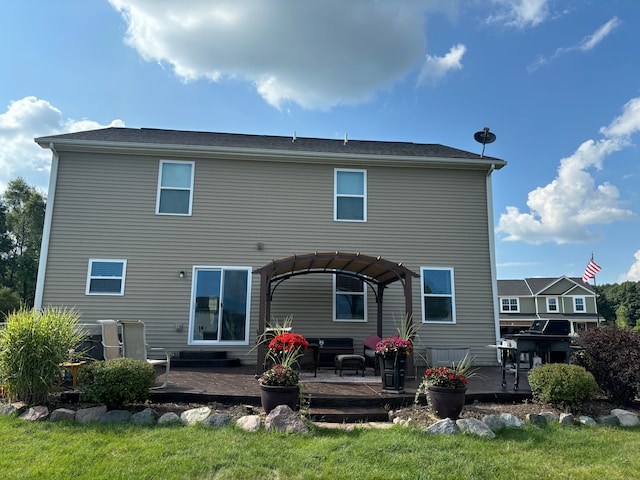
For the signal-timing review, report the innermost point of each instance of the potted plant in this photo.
(446, 387)
(393, 353)
(279, 383)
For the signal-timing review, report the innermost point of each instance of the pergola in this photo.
(376, 272)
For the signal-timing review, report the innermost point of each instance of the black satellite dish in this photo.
(484, 137)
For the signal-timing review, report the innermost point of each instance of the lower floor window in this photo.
(106, 277)
(220, 305)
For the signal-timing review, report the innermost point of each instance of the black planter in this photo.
(446, 402)
(271, 396)
(393, 368)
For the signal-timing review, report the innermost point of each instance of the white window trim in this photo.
(452, 296)
(517, 310)
(584, 304)
(194, 270)
(335, 295)
(160, 188)
(549, 310)
(335, 195)
(106, 260)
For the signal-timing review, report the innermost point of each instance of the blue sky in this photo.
(558, 82)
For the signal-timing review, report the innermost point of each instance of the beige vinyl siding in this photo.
(423, 217)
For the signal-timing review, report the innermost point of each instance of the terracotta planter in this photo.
(271, 396)
(446, 402)
(393, 372)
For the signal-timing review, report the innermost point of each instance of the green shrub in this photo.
(612, 355)
(562, 385)
(117, 382)
(9, 302)
(33, 344)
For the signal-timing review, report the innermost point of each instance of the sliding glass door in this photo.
(220, 305)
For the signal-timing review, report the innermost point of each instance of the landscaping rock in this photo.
(585, 420)
(92, 414)
(626, 418)
(511, 421)
(536, 419)
(116, 416)
(249, 423)
(61, 414)
(473, 426)
(443, 427)
(195, 415)
(493, 422)
(550, 417)
(8, 409)
(169, 417)
(609, 420)
(148, 416)
(566, 419)
(218, 420)
(36, 414)
(283, 419)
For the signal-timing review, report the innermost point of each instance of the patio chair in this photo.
(134, 345)
(111, 346)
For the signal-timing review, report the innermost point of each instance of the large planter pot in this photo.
(393, 371)
(446, 402)
(271, 396)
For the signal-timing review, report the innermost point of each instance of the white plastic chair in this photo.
(111, 346)
(134, 345)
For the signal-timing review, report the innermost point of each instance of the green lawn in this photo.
(51, 451)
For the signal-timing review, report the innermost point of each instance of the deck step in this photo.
(201, 354)
(348, 415)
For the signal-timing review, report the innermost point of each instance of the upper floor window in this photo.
(438, 295)
(509, 305)
(552, 304)
(350, 199)
(579, 305)
(350, 298)
(175, 188)
(106, 277)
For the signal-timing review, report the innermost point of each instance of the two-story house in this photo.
(195, 233)
(523, 301)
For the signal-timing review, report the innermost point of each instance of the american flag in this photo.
(590, 271)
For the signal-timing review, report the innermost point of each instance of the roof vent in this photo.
(346, 138)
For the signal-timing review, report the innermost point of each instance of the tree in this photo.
(613, 296)
(24, 209)
(622, 316)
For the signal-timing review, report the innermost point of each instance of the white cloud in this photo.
(586, 44)
(23, 121)
(564, 210)
(436, 68)
(520, 13)
(633, 275)
(316, 54)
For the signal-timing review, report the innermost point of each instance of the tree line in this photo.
(22, 210)
(619, 303)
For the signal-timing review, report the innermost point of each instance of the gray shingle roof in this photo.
(264, 142)
(531, 286)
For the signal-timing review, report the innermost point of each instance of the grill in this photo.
(542, 337)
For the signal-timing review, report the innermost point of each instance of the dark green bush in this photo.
(612, 355)
(117, 382)
(9, 302)
(33, 344)
(562, 385)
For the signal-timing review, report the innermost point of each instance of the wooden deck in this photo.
(326, 393)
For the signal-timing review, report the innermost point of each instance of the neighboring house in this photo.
(179, 229)
(523, 301)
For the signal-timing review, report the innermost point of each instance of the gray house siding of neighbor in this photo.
(168, 227)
